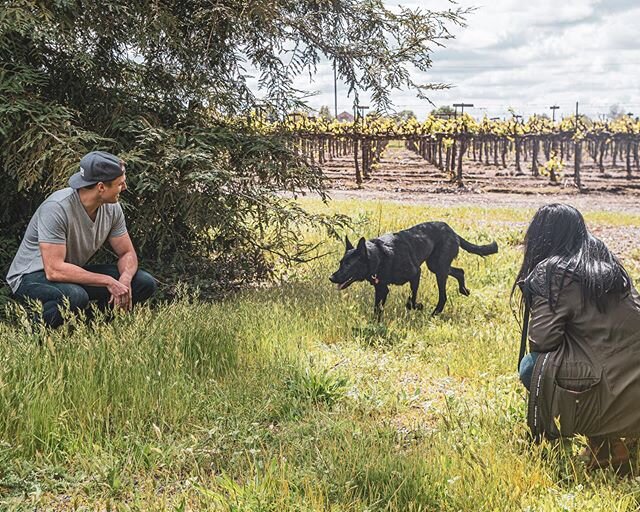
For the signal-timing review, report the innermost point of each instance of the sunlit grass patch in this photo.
(293, 397)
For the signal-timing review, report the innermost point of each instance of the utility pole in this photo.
(335, 90)
(461, 105)
(554, 108)
(577, 154)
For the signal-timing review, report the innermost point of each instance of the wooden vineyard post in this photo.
(534, 157)
(452, 161)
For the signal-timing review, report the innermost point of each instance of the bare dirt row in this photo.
(404, 176)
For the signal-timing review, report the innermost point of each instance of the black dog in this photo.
(395, 258)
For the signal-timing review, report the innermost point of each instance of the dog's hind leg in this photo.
(411, 301)
(458, 273)
(382, 290)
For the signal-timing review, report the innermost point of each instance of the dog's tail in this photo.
(480, 250)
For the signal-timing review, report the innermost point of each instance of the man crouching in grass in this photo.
(66, 231)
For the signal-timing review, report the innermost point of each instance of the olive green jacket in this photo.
(587, 378)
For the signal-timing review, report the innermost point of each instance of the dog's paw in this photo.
(465, 291)
(419, 306)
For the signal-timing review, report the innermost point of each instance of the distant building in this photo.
(345, 117)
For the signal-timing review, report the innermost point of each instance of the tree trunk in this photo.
(602, 146)
(355, 160)
(553, 178)
(447, 163)
(518, 143)
(459, 172)
(534, 157)
(454, 149)
(576, 166)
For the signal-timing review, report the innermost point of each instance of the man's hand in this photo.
(120, 294)
(126, 280)
(127, 265)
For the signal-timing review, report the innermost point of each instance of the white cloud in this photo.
(526, 56)
(550, 52)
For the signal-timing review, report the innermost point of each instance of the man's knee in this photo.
(55, 293)
(76, 295)
(143, 285)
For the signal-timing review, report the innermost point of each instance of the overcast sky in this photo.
(525, 56)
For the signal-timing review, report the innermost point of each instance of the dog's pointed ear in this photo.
(362, 247)
(348, 243)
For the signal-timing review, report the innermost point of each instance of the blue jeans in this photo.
(526, 368)
(52, 294)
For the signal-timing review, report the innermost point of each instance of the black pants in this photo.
(52, 294)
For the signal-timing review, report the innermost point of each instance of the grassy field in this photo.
(289, 397)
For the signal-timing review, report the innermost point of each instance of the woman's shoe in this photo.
(604, 453)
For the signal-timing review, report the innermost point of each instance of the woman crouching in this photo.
(583, 369)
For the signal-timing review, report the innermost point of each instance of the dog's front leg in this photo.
(382, 290)
(441, 279)
(414, 283)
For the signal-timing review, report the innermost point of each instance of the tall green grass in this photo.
(289, 397)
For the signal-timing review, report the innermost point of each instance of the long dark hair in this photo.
(558, 234)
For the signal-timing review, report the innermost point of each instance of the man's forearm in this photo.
(70, 273)
(128, 265)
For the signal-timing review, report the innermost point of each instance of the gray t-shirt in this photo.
(61, 219)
